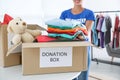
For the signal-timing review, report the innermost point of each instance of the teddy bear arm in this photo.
(16, 39)
(34, 33)
(27, 37)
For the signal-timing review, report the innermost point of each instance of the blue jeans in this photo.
(84, 74)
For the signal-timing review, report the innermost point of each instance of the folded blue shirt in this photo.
(62, 24)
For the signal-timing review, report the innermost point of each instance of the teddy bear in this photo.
(21, 33)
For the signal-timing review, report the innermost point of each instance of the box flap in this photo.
(35, 26)
(13, 48)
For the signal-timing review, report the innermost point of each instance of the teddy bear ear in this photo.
(9, 29)
(18, 19)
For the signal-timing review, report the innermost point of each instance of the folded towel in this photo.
(67, 31)
(71, 37)
(62, 24)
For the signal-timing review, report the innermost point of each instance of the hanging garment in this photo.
(115, 40)
(101, 31)
(94, 32)
(119, 32)
(98, 29)
(100, 34)
(106, 31)
(100, 22)
(108, 26)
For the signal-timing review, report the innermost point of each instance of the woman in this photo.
(86, 17)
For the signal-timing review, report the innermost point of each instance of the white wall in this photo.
(104, 5)
(37, 11)
(29, 10)
(100, 5)
(53, 8)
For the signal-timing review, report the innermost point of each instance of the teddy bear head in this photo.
(17, 26)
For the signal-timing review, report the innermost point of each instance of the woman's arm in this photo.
(89, 24)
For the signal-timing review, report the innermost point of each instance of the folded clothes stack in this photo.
(61, 30)
(66, 29)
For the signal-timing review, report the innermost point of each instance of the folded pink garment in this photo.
(44, 38)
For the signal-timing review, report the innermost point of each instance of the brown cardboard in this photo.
(30, 57)
(35, 26)
(12, 59)
(9, 51)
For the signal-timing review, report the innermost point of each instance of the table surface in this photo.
(15, 73)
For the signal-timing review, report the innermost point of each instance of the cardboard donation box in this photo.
(5, 44)
(53, 57)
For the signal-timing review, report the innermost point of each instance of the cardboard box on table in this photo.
(33, 52)
(5, 43)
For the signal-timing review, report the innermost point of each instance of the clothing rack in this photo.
(95, 59)
(107, 11)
